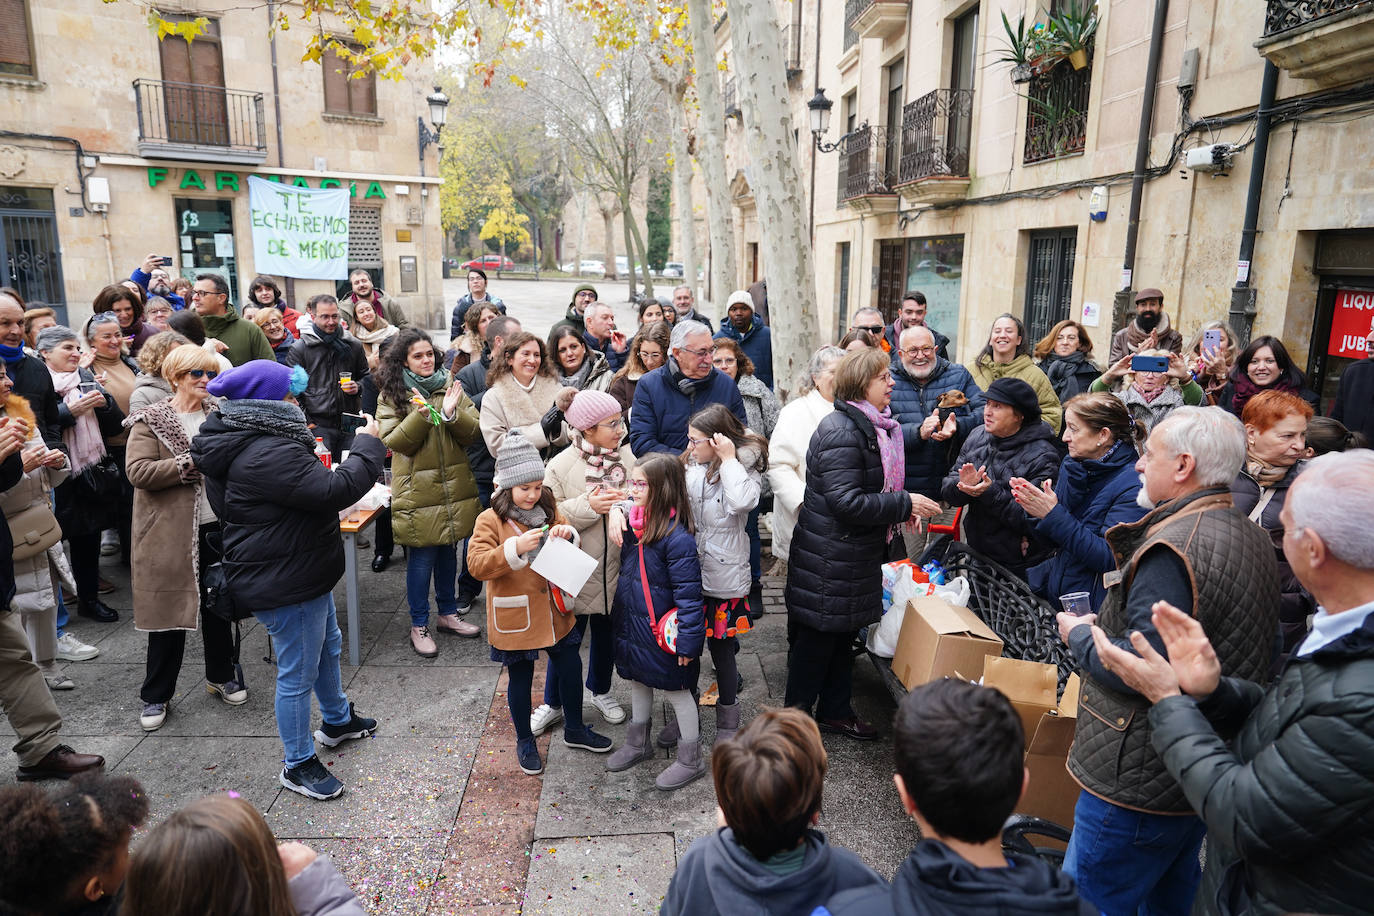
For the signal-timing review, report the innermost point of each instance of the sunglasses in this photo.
(872, 329)
(202, 373)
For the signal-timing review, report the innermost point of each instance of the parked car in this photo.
(489, 262)
(673, 269)
(622, 266)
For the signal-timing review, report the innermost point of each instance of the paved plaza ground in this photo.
(437, 817)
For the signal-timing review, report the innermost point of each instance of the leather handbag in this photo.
(665, 628)
(101, 479)
(34, 530)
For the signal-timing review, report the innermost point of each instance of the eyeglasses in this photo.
(614, 425)
(197, 293)
(699, 354)
(693, 441)
(202, 373)
(917, 351)
(870, 328)
(650, 357)
(638, 484)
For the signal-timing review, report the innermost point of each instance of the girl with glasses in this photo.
(648, 351)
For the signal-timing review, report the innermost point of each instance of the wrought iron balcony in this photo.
(1057, 116)
(200, 122)
(1330, 41)
(852, 9)
(730, 99)
(936, 129)
(791, 48)
(871, 168)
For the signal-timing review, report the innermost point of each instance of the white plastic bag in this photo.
(882, 637)
(955, 591)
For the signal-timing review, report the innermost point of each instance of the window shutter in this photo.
(15, 54)
(362, 95)
(335, 81)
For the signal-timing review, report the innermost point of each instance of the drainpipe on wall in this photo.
(1243, 299)
(1123, 303)
(276, 108)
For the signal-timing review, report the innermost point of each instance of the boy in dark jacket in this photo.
(960, 773)
(769, 858)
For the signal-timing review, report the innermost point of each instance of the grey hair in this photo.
(683, 286)
(1334, 496)
(869, 308)
(685, 329)
(1213, 436)
(50, 338)
(901, 338)
(159, 302)
(819, 360)
(596, 307)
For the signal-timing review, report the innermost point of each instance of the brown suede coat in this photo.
(520, 612)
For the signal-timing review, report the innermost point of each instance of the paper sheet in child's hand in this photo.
(564, 565)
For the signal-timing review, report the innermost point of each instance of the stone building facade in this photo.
(132, 146)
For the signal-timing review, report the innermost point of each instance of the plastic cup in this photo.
(1076, 603)
(345, 378)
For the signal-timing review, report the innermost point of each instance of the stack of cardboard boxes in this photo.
(942, 640)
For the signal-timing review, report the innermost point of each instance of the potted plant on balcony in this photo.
(1017, 49)
(1074, 27)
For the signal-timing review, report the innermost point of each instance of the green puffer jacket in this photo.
(433, 493)
(245, 340)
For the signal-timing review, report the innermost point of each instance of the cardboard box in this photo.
(938, 640)
(1031, 687)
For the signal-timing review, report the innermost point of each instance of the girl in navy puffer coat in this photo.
(659, 572)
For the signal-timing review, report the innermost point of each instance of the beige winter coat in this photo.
(35, 578)
(166, 550)
(566, 476)
(507, 406)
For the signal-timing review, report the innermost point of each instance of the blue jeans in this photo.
(62, 616)
(1130, 862)
(600, 658)
(437, 563)
(307, 639)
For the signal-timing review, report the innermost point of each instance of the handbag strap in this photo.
(644, 584)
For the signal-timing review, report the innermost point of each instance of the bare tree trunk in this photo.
(627, 219)
(608, 211)
(640, 256)
(581, 237)
(777, 186)
(711, 154)
(682, 197)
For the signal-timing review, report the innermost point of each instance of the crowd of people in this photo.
(1179, 488)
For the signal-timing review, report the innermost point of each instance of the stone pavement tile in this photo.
(600, 874)
(391, 875)
(175, 771)
(858, 784)
(486, 862)
(378, 593)
(393, 646)
(396, 787)
(882, 844)
(425, 701)
(113, 748)
(774, 665)
(106, 701)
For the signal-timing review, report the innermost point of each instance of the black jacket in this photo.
(473, 379)
(719, 876)
(279, 507)
(1354, 404)
(32, 379)
(834, 579)
(1070, 375)
(11, 472)
(995, 525)
(928, 460)
(935, 881)
(1283, 782)
(323, 401)
(1296, 603)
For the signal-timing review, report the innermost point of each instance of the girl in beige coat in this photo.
(587, 481)
(175, 537)
(525, 614)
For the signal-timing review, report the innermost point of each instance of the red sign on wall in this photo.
(1351, 320)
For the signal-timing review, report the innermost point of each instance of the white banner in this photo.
(299, 232)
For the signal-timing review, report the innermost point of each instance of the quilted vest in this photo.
(1235, 585)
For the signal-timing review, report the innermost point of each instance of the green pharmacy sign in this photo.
(191, 180)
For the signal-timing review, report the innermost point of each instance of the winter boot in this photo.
(668, 735)
(635, 749)
(727, 721)
(687, 767)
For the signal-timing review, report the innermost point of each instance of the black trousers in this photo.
(167, 648)
(820, 667)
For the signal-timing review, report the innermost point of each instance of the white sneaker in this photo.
(71, 649)
(154, 714)
(109, 544)
(609, 708)
(544, 718)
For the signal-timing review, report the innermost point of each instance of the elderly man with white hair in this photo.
(1281, 777)
(1135, 841)
(669, 396)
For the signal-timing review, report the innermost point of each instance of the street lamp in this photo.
(818, 109)
(438, 113)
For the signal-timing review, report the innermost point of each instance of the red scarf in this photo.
(1245, 389)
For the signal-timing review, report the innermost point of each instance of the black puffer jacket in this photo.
(994, 524)
(323, 401)
(1288, 806)
(1296, 603)
(834, 579)
(279, 507)
(473, 379)
(1070, 375)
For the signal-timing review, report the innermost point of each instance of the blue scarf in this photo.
(11, 355)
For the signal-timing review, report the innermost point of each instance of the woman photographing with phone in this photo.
(1151, 383)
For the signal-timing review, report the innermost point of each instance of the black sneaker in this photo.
(312, 780)
(355, 727)
(587, 740)
(527, 752)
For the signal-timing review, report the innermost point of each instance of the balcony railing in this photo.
(935, 135)
(1282, 15)
(868, 154)
(1057, 116)
(191, 120)
(852, 9)
(791, 48)
(730, 98)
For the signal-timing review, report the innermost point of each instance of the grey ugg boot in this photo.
(635, 749)
(687, 767)
(727, 721)
(668, 735)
